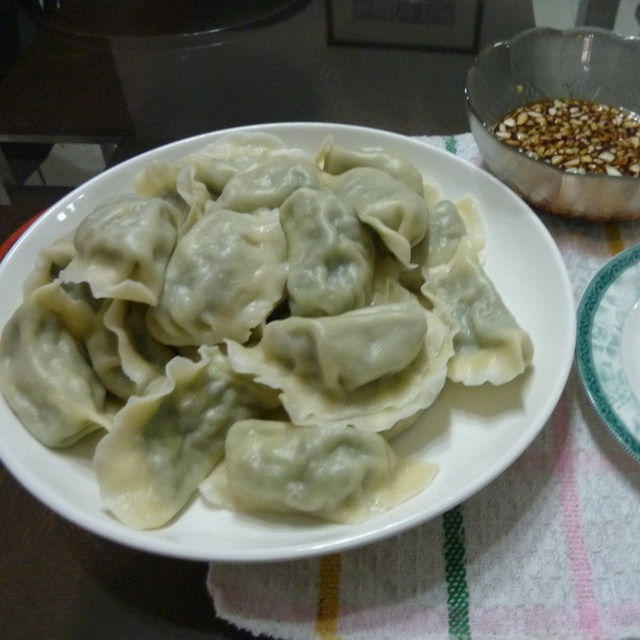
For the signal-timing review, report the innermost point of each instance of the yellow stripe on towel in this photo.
(614, 238)
(328, 598)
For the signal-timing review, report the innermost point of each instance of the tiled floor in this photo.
(65, 167)
(69, 165)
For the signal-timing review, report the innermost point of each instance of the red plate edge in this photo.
(11, 240)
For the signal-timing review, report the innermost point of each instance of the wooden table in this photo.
(62, 583)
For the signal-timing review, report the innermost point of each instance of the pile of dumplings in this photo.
(254, 324)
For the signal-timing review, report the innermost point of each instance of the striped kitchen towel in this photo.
(548, 550)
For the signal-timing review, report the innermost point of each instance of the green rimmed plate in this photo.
(608, 346)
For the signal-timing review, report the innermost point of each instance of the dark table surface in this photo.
(73, 83)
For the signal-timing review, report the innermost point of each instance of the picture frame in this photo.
(452, 25)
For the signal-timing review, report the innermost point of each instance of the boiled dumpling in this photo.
(450, 225)
(51, 261)
(44, 373)
(396, 212)
(224, 278)
(338, 159)
(214, 165)
(335, 473)
(268, 186)
(490, 346)
(236, 152)
(124, 356)
(123, 248)
(370, 368)
(195, 194)
(341, 353)
(330, 253)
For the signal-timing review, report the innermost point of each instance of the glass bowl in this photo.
(543, 63)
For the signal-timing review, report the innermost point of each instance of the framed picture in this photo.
(453, 25)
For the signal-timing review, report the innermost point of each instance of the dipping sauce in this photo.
(576, 135)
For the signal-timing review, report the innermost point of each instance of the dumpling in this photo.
(451, 225)
(44, 374)
(330, 253)
(123, 248)
(490, 346)
(124, 356)
(226, 275)
(269, 185)
(51, 261)
(369, 368)
(396, 212)
(214, 165)
(165, 442)
(157, 180)
(335, 473)
(342, 353)
(218, 162)
(195, 194)
(182, 187)
(447, 230)
(338, 159)
(242, 172)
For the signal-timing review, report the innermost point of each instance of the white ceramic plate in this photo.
(472, 434)
(608, 346)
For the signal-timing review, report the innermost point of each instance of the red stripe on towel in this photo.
(588, 614)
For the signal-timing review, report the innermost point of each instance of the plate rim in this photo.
(386, 528)
(591, 300)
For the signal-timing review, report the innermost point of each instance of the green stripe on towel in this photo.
(451, 144)
(456, 575)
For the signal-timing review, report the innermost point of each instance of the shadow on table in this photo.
(149, 591)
